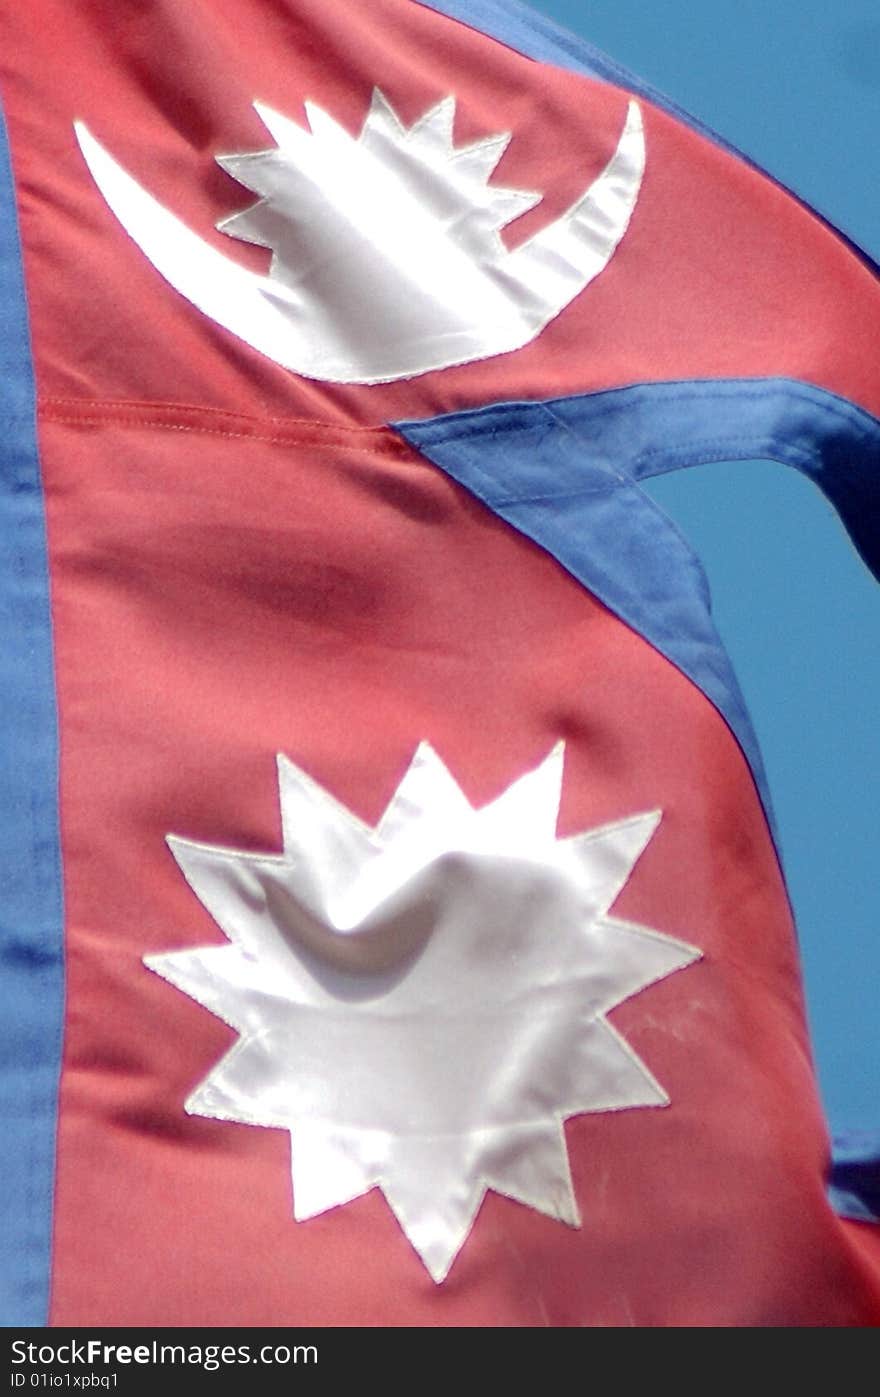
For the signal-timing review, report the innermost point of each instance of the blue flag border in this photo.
(31, 914)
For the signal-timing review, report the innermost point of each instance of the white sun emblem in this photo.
(387, 259)
(423, 1004)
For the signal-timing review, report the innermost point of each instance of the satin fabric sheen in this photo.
(244, 562)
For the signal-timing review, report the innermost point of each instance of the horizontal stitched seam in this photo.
(123, 405)
(328, 435)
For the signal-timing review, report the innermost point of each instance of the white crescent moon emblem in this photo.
(382, 289)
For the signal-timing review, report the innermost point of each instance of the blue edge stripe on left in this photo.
(524, 459)
(31, 915)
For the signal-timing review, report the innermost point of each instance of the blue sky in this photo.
(797, 87)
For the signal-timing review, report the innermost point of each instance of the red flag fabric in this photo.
(408, 944)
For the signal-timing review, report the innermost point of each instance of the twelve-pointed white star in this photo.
(422, 1005)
